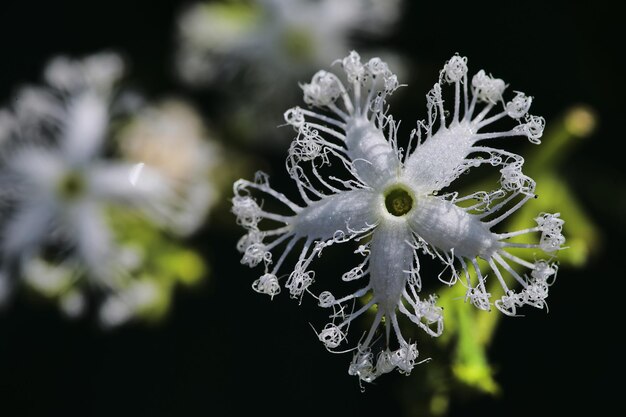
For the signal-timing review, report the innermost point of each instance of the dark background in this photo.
(225, 349)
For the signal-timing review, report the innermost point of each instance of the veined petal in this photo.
(373, 158)
(440, 159)
(446, 226)
(391, 257)
(346, 211)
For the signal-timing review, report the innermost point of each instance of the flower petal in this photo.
(440, 159)
(27, 229)
(446, 226)
(391, 257)
(85, 128)
(344, 212)
(39, 167)
(94, 243)
(373, 158)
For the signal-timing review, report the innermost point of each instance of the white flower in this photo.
(217, 39)
(259, 49)
(172, 139)
(60, 183)
(390, 199)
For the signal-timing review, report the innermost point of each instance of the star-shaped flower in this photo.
(59, 183)
(397, 203)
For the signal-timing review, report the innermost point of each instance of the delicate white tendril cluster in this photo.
(532, 128)
(308, 146)
(519, 106)
(247, 211)
(386, 198)
(551, 227)
(299, 280)
(455, 69)
(267, 284)
(322, 90)
(513, 179)
(534, 293)
(488, 88)
(354, 69)
(331, 336)
(479, 297)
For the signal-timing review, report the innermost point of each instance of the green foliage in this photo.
(164, 261)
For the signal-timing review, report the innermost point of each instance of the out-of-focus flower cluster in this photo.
(260, 48)
(97, 190)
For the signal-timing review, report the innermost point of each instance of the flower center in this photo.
(398, 201)
(71, 185)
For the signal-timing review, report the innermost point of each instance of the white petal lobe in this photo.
(86, 127)
(390, 257)
(94, 243)
(440, 159)
(346, 211)
(446, 226)
(372, 155)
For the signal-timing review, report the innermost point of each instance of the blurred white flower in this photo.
(263, 41)
(216, 39)
(60, 180)
(390, 199)
(172, 139)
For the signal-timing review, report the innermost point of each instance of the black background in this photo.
(224, 349)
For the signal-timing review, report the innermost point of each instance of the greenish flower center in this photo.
(398, 201)
(71, 185)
